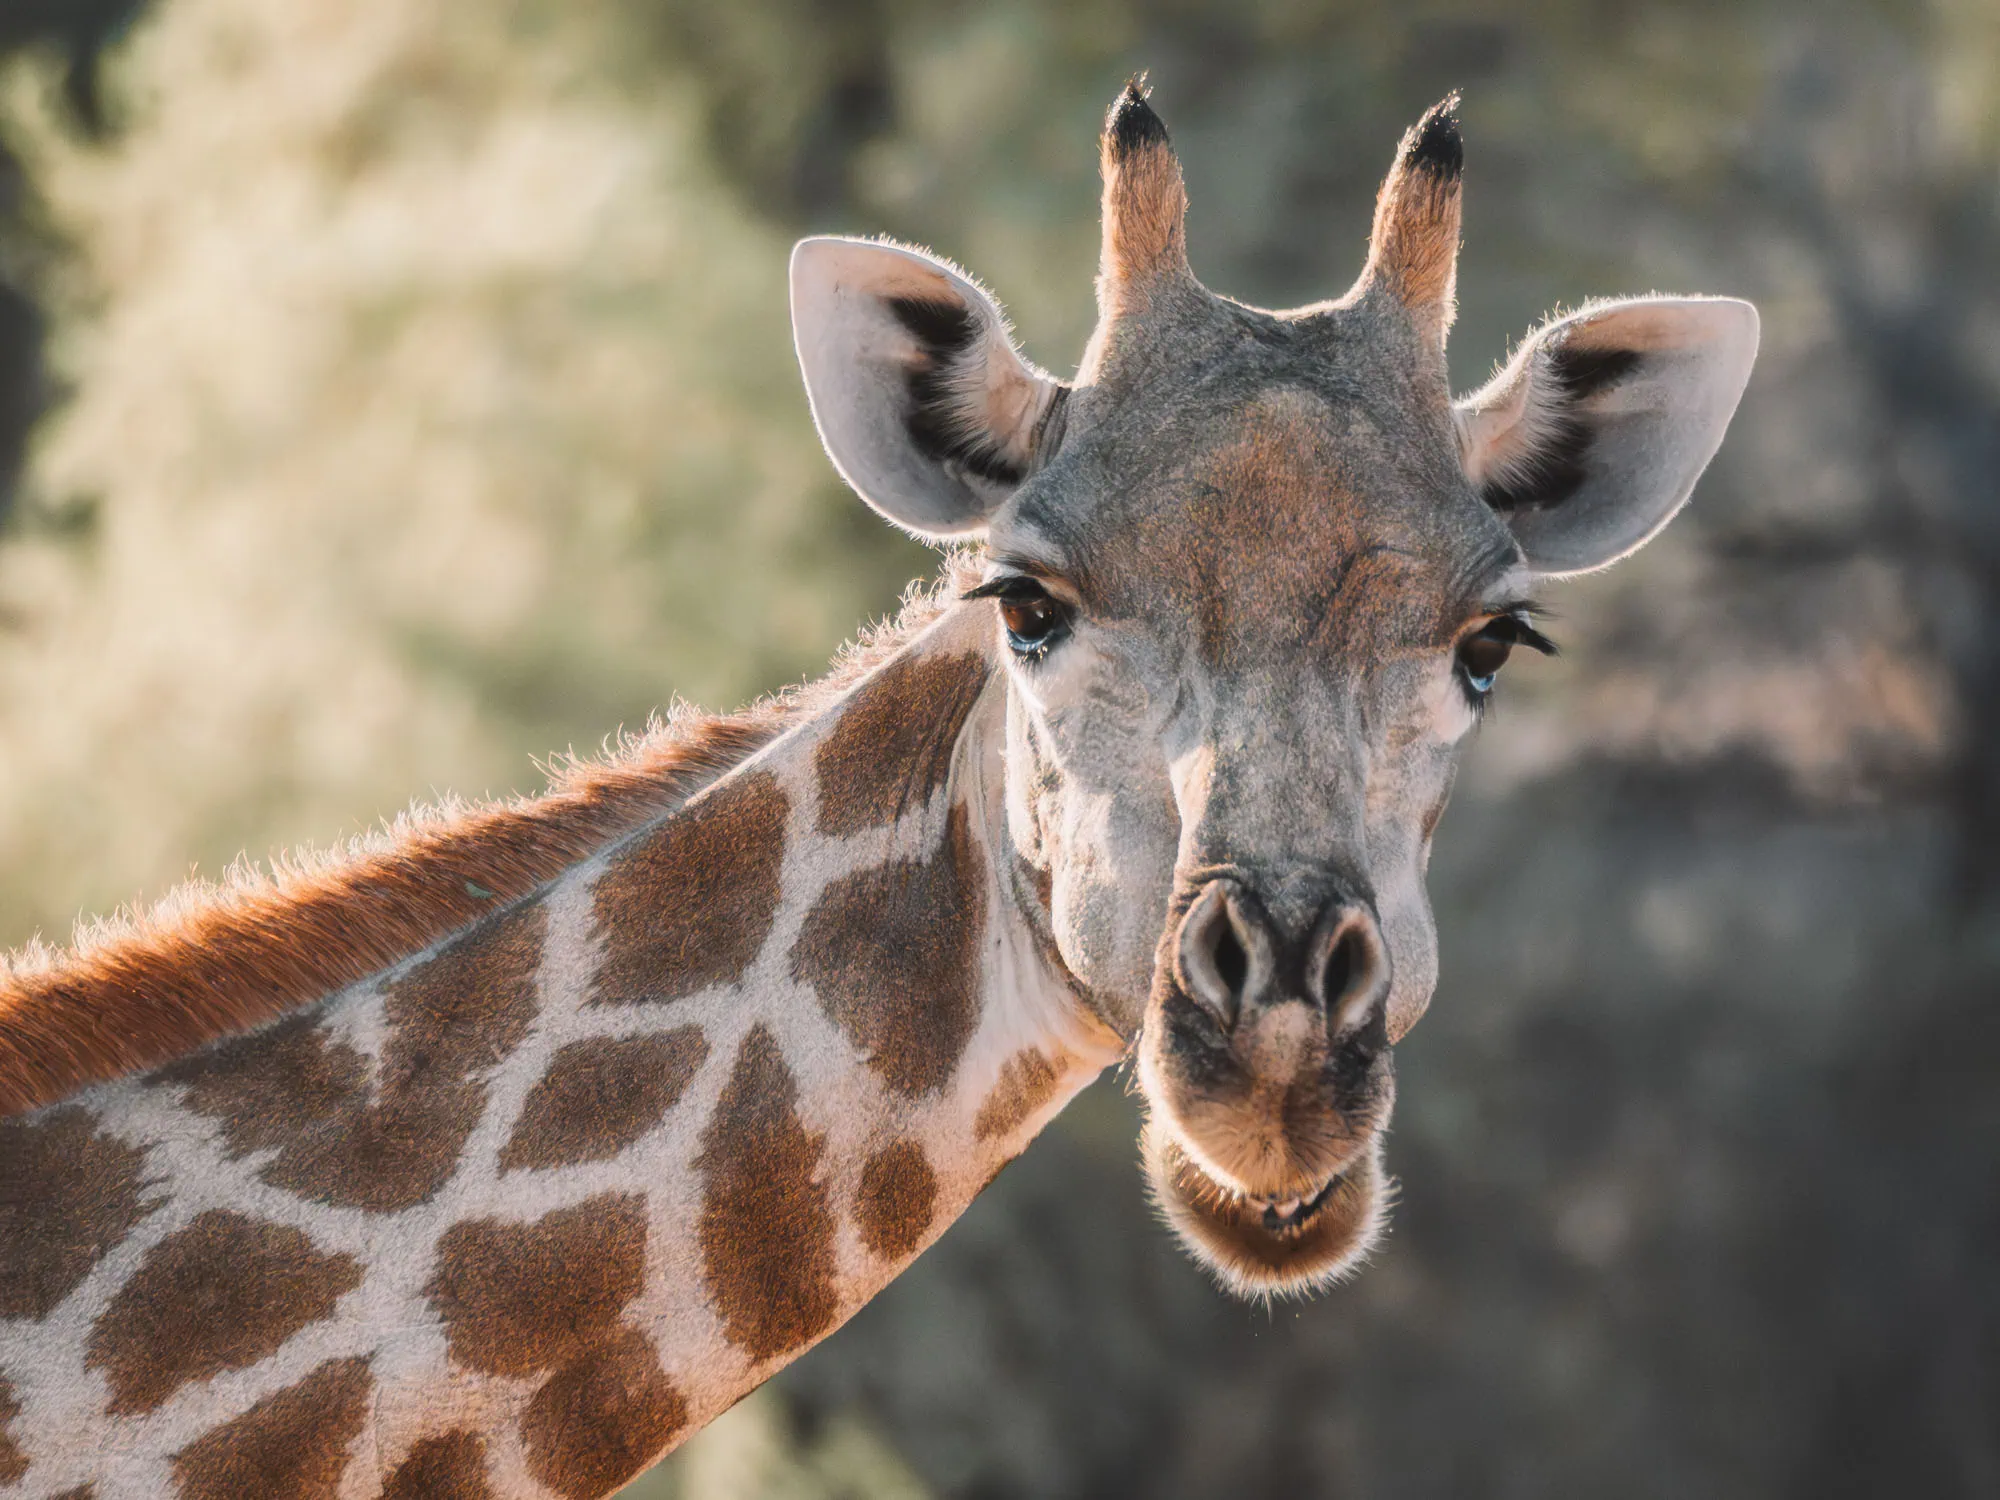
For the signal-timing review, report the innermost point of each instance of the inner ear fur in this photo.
(1592, 436)
(923, 402)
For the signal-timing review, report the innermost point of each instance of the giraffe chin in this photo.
(1262, 1247)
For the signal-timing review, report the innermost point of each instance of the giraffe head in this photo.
(1252, 576)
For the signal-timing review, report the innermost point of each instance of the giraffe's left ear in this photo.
(922, 400)
(1595, 432)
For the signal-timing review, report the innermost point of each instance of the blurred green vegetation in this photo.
(415, 397)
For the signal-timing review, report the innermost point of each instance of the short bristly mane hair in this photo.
(214, 959)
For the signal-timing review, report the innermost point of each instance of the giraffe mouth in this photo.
(1290, 1215)
(1286, 1244)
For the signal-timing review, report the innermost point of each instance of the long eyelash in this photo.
(1516, 614)
(1000, 587)
(1525, 634)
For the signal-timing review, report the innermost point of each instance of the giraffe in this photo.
(495, 1157)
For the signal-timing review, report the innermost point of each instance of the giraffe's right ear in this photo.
(922, 400)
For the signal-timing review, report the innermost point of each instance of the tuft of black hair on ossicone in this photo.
(1435, 145)
(1132, 125)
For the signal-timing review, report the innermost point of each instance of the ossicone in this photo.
(1413, 247)
(1145, 207)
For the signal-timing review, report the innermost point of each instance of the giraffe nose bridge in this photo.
(1234, 958)
(1285, 799)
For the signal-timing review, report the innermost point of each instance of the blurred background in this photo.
(392, 393)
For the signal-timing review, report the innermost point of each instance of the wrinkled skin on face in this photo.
(1252, 575)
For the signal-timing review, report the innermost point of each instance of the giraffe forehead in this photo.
(1292, 511)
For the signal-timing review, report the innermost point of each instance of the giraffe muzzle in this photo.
(1266, 1067)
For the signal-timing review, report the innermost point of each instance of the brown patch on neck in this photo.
(892, 745)
(68, 1196)
(1027, 1081)
(600, 1095)
(214, 961)
(893, 954)
(294, 1089)
(766, 1230)
(897, 1200)
(689, 904)
(13, 1462)
(602, 1418)
(516, 1299)
(294, 1443)
(220, 1294)
(451, 1466)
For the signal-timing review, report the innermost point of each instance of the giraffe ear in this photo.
(922, 400)
(1592, 436)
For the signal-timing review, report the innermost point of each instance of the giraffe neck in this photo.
(529, 1209)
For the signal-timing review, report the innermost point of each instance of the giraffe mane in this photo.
(212, 959)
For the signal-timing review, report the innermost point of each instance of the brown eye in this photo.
(1035, 619)
(1482, 656)
(1031, 619)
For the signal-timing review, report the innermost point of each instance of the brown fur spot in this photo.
(67, 1197)
(601, 1418)
(601, 1095)
(892, 746)
(451, 1466)
(295, 1090)
(518, 1298)
(212, 961)
(79, 1492)
(893, 955)
(898, 1196)
(766, 1231)
(220, 1294)
(1027, 1081)
(293, 1443)
(689, 904)
(13, 1462)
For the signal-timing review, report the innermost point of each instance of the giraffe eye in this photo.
(1035, 618)
(1482, 654)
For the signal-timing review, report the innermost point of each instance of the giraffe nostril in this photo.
(1340, 966)
(1215, 960)
(1353, 968)
(1232, 964)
